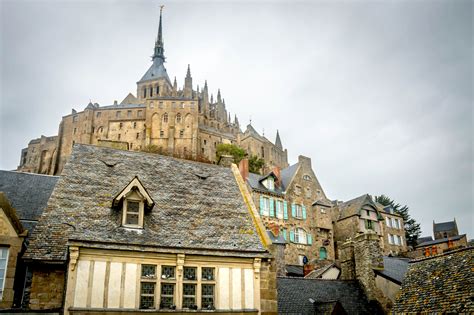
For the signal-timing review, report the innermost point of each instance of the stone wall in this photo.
(14, 243)
(47, 287)
(269, 271)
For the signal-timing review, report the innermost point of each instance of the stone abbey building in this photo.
(183, 122)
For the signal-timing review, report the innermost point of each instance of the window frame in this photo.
(3, 256)
(300, 236)
(266, 209)
(298, 211)
(141, 209)
(279, 209)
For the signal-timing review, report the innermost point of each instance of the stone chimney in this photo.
(244, 169)
(359, 258)
(225, 160)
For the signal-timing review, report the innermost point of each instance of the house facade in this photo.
(293, 202)
(135, 231)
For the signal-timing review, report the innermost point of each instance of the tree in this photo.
(256, 164)
(412, 228)
(230, 149)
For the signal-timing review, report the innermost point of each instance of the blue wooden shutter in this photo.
(304, 212)
(272, 208)
(293, 210)
(309, 239)
(262, 205)
(292, 236)
(285, 210)
(284, 234)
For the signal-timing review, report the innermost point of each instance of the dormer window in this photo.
(269, 183)
(134, 200)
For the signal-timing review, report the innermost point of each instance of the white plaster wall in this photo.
(248, 283)
(115, 282)
(236, 288)
(130, 286)
(98, 283)
(223, 288)
(332, 273)
(82, 283)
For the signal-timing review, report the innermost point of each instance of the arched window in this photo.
(144, 92)
(178, 118)
(165, 117)
(323, 255)
(157, 89)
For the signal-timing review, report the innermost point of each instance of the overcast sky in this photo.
(378, 94)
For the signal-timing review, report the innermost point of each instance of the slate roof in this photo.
(395, 268)
(294, 295)
(27, 193)
(156, 71)
(317, 273)
(444, 226)
(294, 270)
(439, 284)
(286, 175)
(10, 213)
(353, 206)
(423, 239)
(441, 240)
(198, 206)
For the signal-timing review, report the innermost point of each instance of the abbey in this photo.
(185, 122)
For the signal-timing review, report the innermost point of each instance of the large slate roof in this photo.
(294, 296)
(444, 226)
(423, 239)
(27, 193)
(439, 284)
(197, 206)
(395, 268)
(286, 175)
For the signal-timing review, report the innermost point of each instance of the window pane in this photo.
(148, 288)
(207, 300)
(207, 273)
(147, 302)
(148, 271)
(133, 206)
(167, 293)
(189, 289)
(190, 273)
(167, 272)
(132, 219)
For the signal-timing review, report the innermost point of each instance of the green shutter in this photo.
(272, 208)
(285, 210)
(309, 239)
(284, 234)
(293, 210)
(292, 236)
(304, 212)
(262, 205)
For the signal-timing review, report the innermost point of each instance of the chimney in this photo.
(244, 169)
(226, 160)
(277, 172)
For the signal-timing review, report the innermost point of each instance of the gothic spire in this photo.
(278, 141)
(159, 45)
(219, 100)
(188, 73)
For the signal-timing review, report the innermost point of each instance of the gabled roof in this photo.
(323, 202)
(129, 99)
(444, 226)
(353, 207)
(198, 207)
(439, 284)
(395, 268)
(134, 184)
(255, 182)
(28, 193)
(294, 295)
(287, 174)
(318, 273)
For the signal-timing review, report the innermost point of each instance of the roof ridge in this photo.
(32, 174)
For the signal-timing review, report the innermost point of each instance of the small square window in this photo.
(118, 114)
(207, 274)
(140, 113)
(98, 114)
(133, 208)
(168, 272)
(181, 133)
(162, 133)
(129, 113)
(190, 273)
(149, 271)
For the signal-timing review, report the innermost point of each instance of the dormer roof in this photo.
(134, 185)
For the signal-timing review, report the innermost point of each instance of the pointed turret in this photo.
(205, 99)
(278, 141)
(175, 87)
(188, 84)
(236, 120)
(219, 99)
(212, 98)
